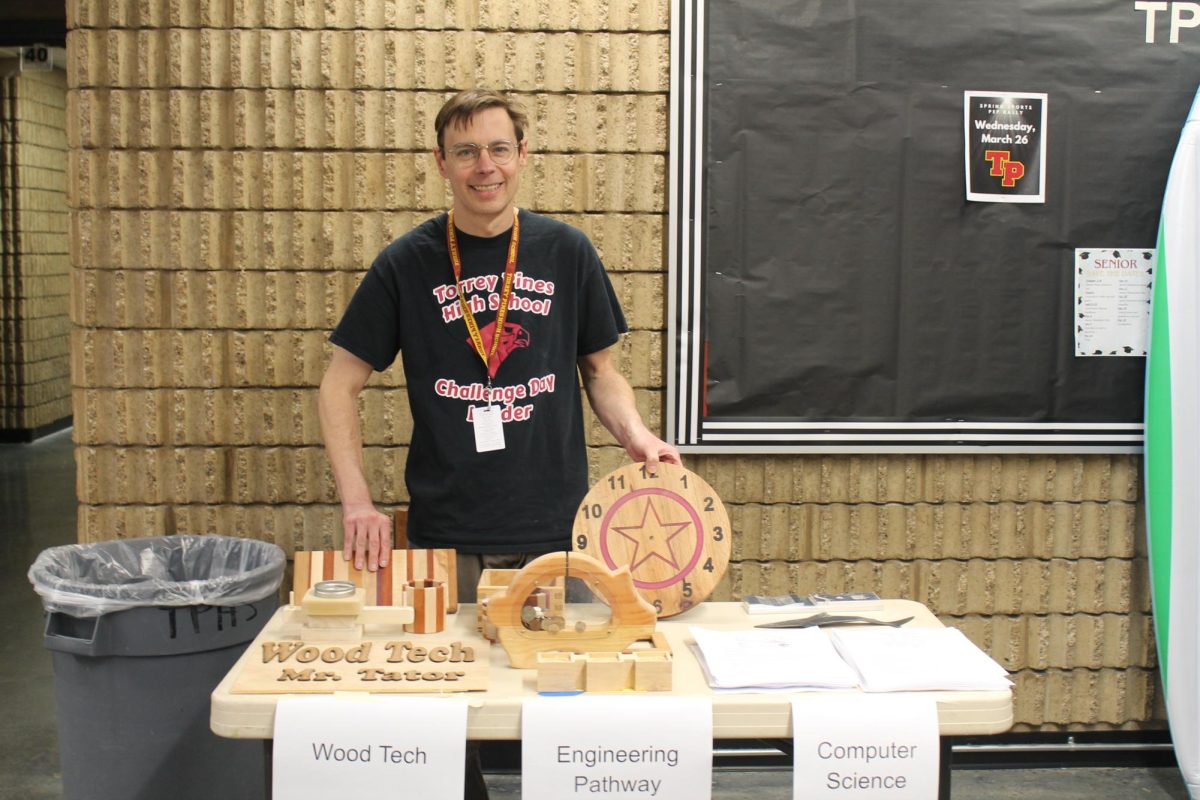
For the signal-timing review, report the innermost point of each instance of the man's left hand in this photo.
(649, 448)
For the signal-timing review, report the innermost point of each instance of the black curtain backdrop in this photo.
(846, 277)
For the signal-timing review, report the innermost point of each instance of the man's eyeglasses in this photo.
(467, 154)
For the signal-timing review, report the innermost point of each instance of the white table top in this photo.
(496, 714)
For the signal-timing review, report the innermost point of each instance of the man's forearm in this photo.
(366, 532)
(612, 399)
(342, 435)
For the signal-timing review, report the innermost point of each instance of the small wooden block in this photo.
(348, 606)
(560, 672)
(607, 672)
(652, 672)
(491, 582)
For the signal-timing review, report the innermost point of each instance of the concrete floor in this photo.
(1090, 783)
(37, 510)
(37, 491)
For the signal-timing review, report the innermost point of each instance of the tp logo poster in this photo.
(1005, 146)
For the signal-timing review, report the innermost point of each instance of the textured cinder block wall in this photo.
(235, 168)
(35, 391)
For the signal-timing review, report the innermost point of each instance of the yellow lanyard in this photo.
(510, 271)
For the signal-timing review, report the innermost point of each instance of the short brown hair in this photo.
(459, 110)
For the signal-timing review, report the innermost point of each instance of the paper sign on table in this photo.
(869, 747)
(615, 747)
(334, 747)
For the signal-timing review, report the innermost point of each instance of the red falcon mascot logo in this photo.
(512, 338)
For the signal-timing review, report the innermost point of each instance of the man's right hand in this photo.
(367, 537)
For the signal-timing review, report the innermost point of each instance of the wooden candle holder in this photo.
(428, 601)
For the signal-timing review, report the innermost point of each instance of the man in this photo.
(497, 315)
(497, 311)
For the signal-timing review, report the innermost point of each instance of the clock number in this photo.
(658, 606)
(708, 504)
(616, 480)
(708, 565)
(581, 542)
(646, 473)
(683, 480)
(718, 533)
(593, 511)
(687, 589)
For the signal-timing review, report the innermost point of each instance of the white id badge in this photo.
(489, 430)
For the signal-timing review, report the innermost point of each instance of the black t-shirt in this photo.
(522, 498)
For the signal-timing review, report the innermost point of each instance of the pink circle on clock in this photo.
(695, 519)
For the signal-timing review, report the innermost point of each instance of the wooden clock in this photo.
(670, 529)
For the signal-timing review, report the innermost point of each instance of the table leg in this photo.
(944, 764)
(268, 768)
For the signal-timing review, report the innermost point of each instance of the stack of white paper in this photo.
(771, 659)
(917, 659)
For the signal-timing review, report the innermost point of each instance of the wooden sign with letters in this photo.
(426, 663)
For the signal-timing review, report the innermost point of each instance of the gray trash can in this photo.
(140, 632)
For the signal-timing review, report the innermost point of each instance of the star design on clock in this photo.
(656, 535)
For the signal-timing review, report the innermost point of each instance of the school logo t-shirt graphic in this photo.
(513, 337)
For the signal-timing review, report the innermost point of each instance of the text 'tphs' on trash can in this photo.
(140, 632)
